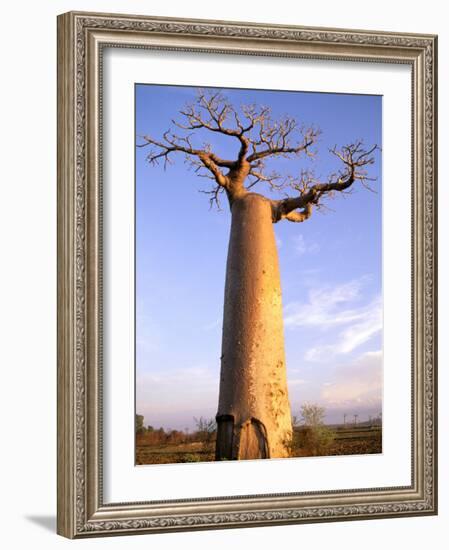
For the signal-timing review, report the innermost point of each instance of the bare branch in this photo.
(273, 179)
(173, 143)
(211, 112)
(258, 134)
(260, 138)
(276, 139)
(214, 196)
(354, 157)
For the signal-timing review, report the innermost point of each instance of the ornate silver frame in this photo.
(81, 511)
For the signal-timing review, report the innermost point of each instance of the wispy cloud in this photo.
(356, 384)
(368, 324)
(337, 306)
(212, 325)
(300, 246)
(194, 375)
(351, 386)
(363, 326)
(324, 306)
(172, 398)
(296, 382)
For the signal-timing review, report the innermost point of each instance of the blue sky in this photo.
(331, 267)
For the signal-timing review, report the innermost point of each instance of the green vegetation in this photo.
(314, 439)
(139, 424)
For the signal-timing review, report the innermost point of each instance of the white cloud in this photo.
(329, 307)
(318, 353)
(369, 324)
(212, 325)
(356, 384)
(360, 330)
(197, 376)
(324, 306)
(171, 398)
(301, 247)
(350, 387)
(297, 382)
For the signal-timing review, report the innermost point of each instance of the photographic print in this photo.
(258, 274)
(247, 274)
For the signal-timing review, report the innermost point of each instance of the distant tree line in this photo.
(205, 433)
(311, 436)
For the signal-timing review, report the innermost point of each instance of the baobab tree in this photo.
(254, 418)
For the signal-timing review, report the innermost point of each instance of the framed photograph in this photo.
(246, 274)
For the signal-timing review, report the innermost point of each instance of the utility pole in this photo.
(355, 419)
(344, 419)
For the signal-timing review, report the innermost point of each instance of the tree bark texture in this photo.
(254, 418)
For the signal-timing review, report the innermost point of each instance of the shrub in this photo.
(191, 458)
(313, 437)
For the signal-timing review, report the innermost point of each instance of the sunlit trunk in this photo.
(254, 419)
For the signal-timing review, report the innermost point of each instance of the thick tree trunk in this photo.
(254, 419)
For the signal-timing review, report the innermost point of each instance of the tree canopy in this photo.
(259, 138)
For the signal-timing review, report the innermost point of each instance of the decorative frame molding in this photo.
(81, 37)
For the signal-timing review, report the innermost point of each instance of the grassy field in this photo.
(339, 440)
(169, 454)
